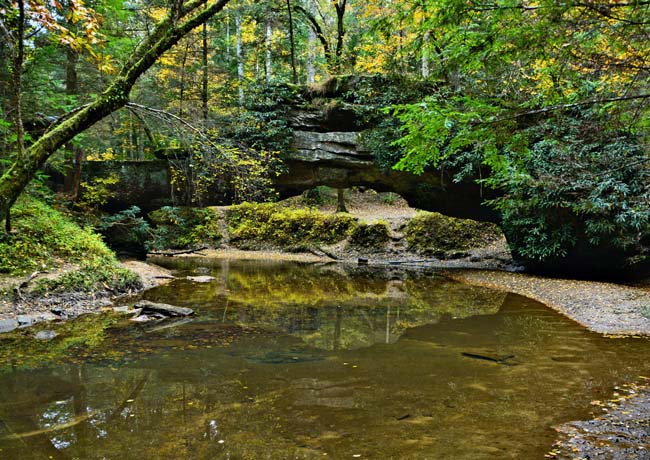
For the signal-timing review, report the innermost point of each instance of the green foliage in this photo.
(274, 225)
(581, 184)
(43, 237)
(184, 227)
(369, 236)
(264, 124)
(97, 192)
(382, 141)
(125, 229)
(213, 167)
(434, 233)
(444, 125)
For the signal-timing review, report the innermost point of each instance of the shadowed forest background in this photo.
(543, 104)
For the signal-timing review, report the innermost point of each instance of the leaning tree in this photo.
(181, 17)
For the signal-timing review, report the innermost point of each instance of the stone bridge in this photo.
(326, 151)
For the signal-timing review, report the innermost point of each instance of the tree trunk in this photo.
(340, 33)
(340, 200)
(181, 95)
(311, 41)
(240, 58)
(204, 81)
(72, 89)
(18, 58)
(292, 44)
(425, 56)
(268, 61)
(165, 34)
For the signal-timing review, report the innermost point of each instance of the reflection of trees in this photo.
(332, 311)
(331, 307)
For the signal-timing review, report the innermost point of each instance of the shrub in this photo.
(432, 232)
(582, 192)
(92, 276)
(184, 227)
(43, 237)
(369, 236)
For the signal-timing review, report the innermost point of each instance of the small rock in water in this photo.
(46, 335)
(201, 279)
(145, 318)
(202, 270)
(28, 320)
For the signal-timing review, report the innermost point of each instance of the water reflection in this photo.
(332, 307)
(321, 364)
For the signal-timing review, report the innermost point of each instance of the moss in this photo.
(44, 237)
(92, 276)
(434, 233)
(369, 236)
(184, 227)
(274, 225)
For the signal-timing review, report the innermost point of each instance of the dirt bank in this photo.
(29, 310)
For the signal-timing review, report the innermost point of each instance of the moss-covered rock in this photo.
(432, 233)
(369, 236)
(184, 227)
(273, 225)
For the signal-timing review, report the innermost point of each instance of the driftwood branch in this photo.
(175, 253)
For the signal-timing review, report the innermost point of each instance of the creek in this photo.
(300, 361)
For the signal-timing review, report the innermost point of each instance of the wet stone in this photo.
(155, 309)
(28, 320)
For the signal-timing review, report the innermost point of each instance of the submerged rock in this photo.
(28, 320)
(45, 335)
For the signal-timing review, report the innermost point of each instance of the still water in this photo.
(295, 361)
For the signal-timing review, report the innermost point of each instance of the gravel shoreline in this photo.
(607, 308)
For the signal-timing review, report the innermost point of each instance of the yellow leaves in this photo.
(248, 31)
(105, 64)
(106, 155)
(157, 13)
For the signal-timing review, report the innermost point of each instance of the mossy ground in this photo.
(44, 239)
(369, 236)
(184, 227)
(297, 225)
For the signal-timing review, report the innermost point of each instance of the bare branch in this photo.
(557, 108)
(168, 115)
